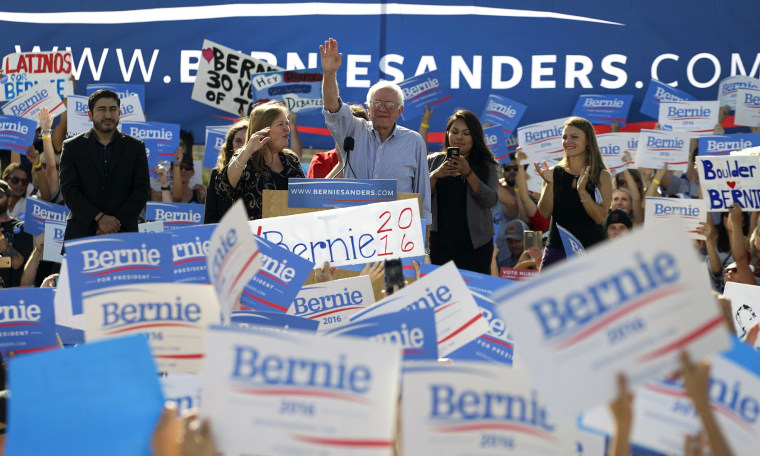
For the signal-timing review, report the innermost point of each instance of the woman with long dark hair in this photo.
(264, 163)
(216, 204)
(577, 192)
(462, 192)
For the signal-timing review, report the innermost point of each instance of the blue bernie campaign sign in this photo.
(496, 141)
(249, 319)
(421, 90)
(413, 330)
(332, 193)
(214, 142)
(16, 133)
(88, 388)
(161, 139)
(38, 212)
(189, 252)
(117, 259)
(572, 245)
(123, 90)
(603, 109)
(502, 111)
(658, 92)
(300, 90)
(27, 323)
(277, 283)
(725, 144)
(175, 215)
(496, 345)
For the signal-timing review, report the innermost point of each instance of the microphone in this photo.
(348, 146)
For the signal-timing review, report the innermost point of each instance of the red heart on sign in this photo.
(731, 184)
(208, 54)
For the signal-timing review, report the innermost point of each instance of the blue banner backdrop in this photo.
(541, 53)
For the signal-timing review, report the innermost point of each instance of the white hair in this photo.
(386, 85)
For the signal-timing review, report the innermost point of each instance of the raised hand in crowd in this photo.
(33, 262)
(173, 436)
(425, 125)
(696, 379)
(376, 273)
(325, 273)
(622, 413)
(50, 281)
(163, 179)
(47, 178)
(545, 172)
(738, 246)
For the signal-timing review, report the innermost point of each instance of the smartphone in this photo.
(531, 239)
(5, 262)
(452, 152)
(394, 276)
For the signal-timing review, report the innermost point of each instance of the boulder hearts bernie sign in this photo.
(729, 179)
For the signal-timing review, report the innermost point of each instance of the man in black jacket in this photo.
(104, 174)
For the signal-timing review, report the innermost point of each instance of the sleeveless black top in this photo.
(569, 212)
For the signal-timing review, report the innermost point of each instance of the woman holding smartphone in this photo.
(264, 162)
(577, 192)
(463, 185)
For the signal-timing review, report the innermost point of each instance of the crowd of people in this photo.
(477, 211)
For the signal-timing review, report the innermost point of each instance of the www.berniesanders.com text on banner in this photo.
(331, 193)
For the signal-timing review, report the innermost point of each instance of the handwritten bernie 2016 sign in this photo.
(730, 179)
(224, 78)
(300, 90)
(351, 235)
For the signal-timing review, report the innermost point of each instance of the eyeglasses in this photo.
(17, 180)
(186, 168)
(510, 168)
(388, 105)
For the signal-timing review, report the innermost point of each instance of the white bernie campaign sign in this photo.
(298, 394)
(614, 146)
(663, 415)
(458, 319)
(728, 179)
(77, 120)
(474, 408)
(351, 235)
(29, 103)
(658, 148)
(233, 257)
(689, 211)
(728, 89)
(745, 305)
(689, 116)
(589, 319)
(332, 303)
(131, 109)
(748, 108)
(173, 316)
